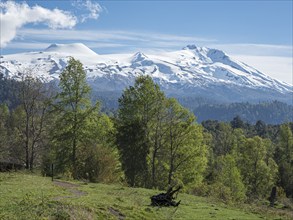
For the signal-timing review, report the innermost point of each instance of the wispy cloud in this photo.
(127, 38)
(255, 49)
(15, 15)
(91, 10)
(31, 46)
(151, 40)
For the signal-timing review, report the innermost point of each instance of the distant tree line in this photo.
(274, 112)
(151, 141)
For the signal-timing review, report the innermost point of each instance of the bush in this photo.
(99, 164)
(201, 189)
(221, 192)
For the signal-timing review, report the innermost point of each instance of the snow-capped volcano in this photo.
(76, 48)
(190, 72)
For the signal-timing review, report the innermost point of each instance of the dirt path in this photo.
(71, 187)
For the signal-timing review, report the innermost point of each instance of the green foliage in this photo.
(237, 122)
(73, 108)
(82, 136)
(25, 124)
(4, 139)
(158, 140)
(223, 139)
(258, 172)
(138, 112)
(185, 149)
(284, 158)
(229, 180)
(8, 91)
(99, 164)
(255, 166)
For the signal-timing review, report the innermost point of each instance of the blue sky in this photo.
(256, 32)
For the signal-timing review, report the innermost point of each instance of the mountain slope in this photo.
(190, 72)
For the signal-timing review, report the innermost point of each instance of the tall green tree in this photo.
(158, 139)
(284, 157)
(139, 130)
(73, 106)
(29, 119)
(185, 150)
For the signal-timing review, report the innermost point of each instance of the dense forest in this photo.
(270, 112)
(151, 141)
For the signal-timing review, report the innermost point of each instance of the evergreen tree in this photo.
(237, 122)
(260, 129)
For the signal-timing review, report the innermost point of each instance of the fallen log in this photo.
(165, 199)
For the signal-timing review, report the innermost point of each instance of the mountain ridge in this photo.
(192, 71)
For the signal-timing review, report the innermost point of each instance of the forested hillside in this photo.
(152, 141)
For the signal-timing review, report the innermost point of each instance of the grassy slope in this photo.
(25, 196)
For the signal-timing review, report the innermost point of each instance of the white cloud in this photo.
(41, 46)
(15, 15)
(92, 9)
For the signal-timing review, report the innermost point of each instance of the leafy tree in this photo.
(74, 108)
(82, 138)
(258, 172)
(186, 152)
(228, 175)
(133, 150)
(284, 158)
(223, 139)
(139, 130)
(29, 119)
(157, 138)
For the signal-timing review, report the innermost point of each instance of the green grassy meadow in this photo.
(26, 196)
